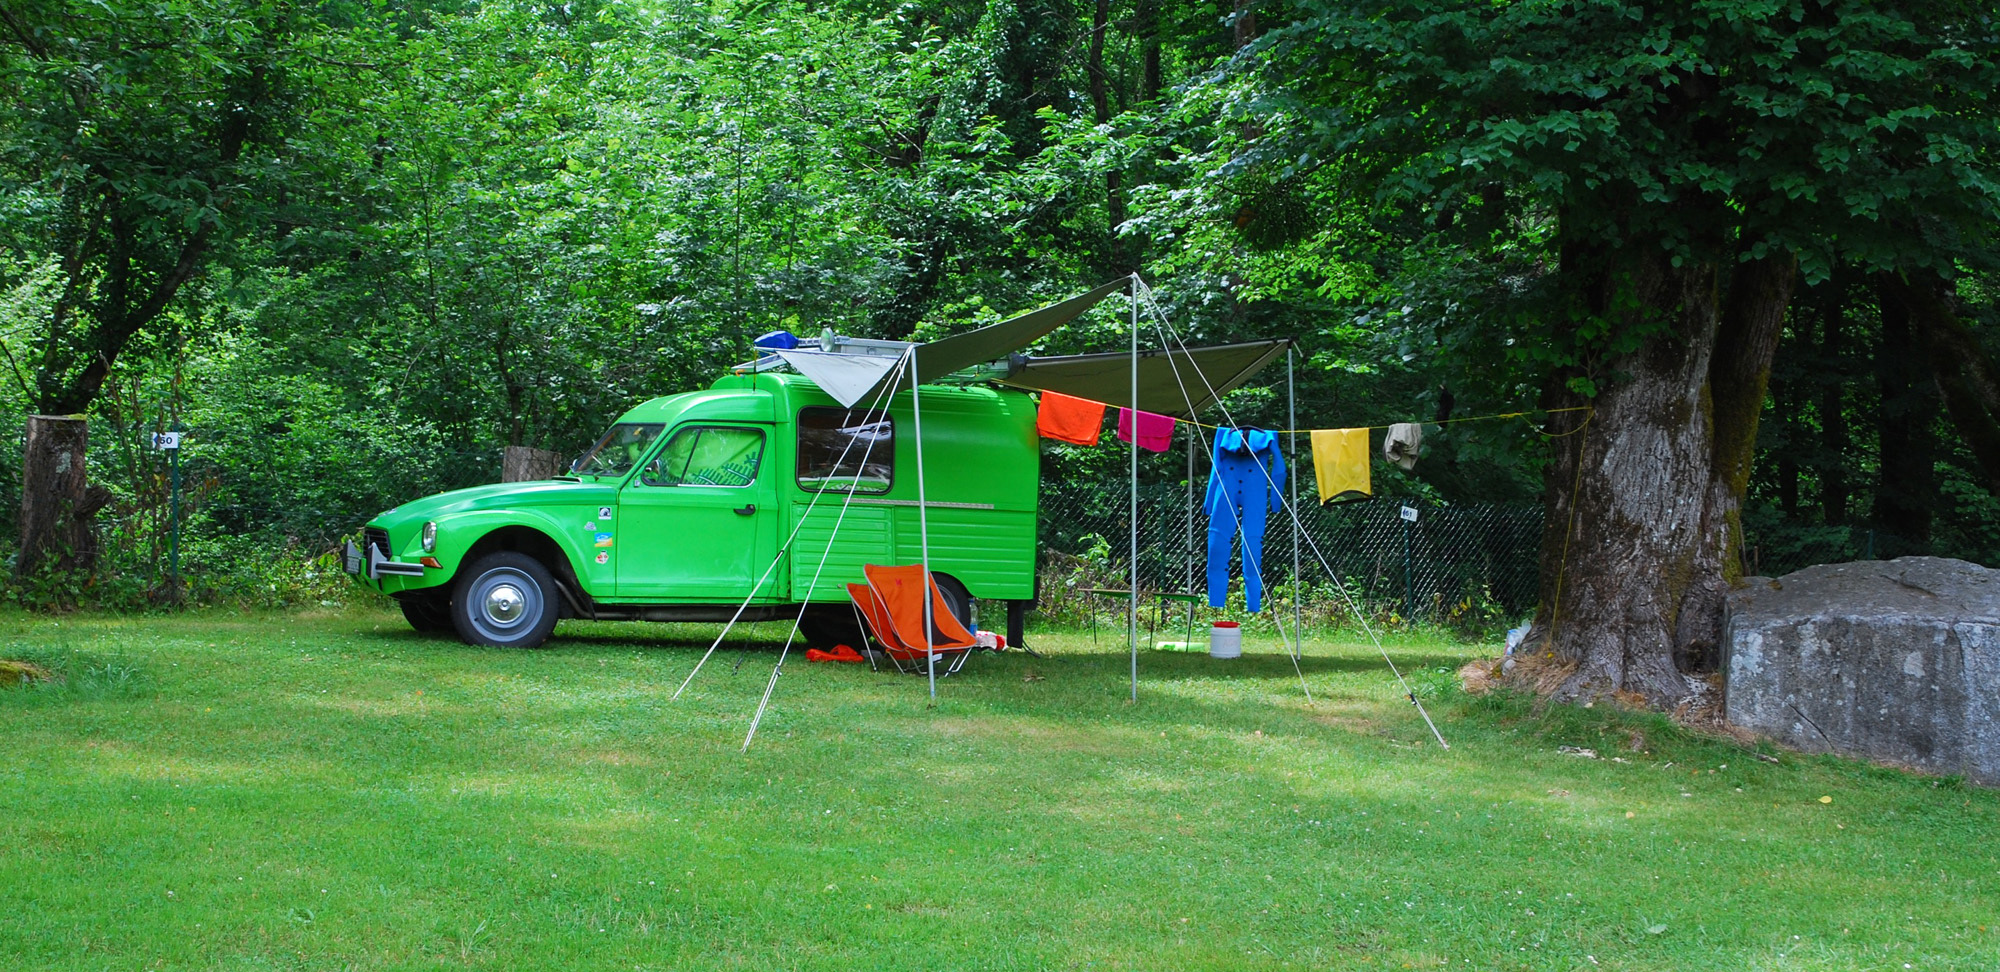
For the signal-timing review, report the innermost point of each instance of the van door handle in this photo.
(747, 509)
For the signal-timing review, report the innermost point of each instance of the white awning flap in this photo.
(847, 377)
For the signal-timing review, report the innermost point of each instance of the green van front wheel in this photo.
(429, 612)
(505, 600)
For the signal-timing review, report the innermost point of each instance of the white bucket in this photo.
(1225, 640)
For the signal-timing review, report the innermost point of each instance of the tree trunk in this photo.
(1790, 391)
(1906, 482)
(57, 500)
(1634, 570)
(1752, 320)
(1146, 22)
(1784, 404)
(1966, 377)
(1832, 415)
(1244, 24)
(520, 464)
(1100, 101)
(1628, 553)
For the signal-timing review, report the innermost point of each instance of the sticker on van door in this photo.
(604, 512)
(604, 539)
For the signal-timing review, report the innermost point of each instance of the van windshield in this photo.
(619, 450)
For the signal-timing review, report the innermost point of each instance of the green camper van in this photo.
(762, 497)
(761, 489)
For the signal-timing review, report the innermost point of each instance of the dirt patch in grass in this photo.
(1356, 719)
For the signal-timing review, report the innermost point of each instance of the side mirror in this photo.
(575, 465)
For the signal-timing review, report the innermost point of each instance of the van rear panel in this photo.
(982, 473)
(991, 551)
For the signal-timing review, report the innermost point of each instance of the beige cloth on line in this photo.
(1401, 444)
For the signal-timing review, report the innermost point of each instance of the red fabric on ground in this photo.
(1067, 419)
(840, 653)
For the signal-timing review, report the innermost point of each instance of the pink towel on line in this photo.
(1156, 432)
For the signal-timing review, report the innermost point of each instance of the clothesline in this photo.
(1372, 428)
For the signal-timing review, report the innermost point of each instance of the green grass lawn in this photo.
(223, 791)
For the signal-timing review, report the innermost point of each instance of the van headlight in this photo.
(430, 537)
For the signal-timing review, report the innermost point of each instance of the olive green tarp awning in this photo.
(852, 378)
(996, 341)
(1181, 382)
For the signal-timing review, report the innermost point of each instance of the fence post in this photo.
(174, 539)
(1409, 516)
(169, 442)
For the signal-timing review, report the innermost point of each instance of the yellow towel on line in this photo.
(1340, 463)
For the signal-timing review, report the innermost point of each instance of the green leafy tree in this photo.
(137, 141)
(1638, 186)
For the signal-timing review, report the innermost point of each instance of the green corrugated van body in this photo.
(728, 478)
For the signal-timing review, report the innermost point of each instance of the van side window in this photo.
(707, 456)
(846, 450)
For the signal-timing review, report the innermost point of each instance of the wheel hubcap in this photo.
(504, 603)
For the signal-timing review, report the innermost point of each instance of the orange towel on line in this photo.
(1067, 419)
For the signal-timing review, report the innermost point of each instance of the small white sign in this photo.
(166, 440)
(1410, 513)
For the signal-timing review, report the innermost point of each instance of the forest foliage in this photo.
(354, 249)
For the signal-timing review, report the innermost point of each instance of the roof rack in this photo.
(830, 343)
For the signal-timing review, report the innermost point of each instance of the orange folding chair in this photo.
(891, 605)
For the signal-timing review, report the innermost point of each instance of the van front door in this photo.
(698, 524)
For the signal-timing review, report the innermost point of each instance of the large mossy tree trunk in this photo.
(57, 500)
(1643, 495)
(1739, 371)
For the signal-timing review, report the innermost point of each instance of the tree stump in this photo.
(57, 500)
(520, 464)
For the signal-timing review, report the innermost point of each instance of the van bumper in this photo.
(372, 566)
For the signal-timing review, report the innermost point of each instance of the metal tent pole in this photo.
(923, 522)
(1292, 400)
(1132, 559)
(1187, 529)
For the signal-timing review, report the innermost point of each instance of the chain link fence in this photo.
(1447, 562)
(1777, 551)
(1404, 557)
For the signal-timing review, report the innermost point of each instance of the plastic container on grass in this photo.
(1225, 640)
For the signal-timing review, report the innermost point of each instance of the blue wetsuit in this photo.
(1239, 494)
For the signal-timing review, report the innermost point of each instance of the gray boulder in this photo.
(1893, 660)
